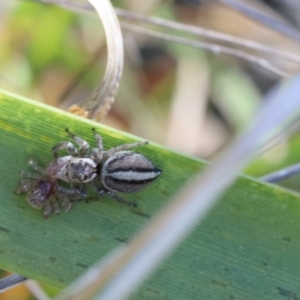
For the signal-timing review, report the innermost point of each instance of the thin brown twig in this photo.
(214, 48)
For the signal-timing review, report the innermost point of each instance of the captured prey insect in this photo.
(44, 191)
(109, 172)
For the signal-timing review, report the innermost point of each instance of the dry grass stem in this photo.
(99, 103)
(211, 34)
(214, 48)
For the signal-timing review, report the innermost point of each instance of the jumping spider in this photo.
(44, 191)
(109, 172)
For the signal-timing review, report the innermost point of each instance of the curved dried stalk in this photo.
(120, 273)
(214, 48)
(98, 104)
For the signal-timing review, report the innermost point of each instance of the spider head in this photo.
(81, 170)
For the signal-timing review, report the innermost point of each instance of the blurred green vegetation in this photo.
(40, 37)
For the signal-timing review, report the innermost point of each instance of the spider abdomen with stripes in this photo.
(128, 172)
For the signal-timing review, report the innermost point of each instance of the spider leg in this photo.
(32, 162)
(97, 153)
(47, 209)
(80, 189)
(112, 151)
(84, 146)
(64, 145)
(30, 175)
(23, 186)
(65, 202)
(72, 194)
(119, 199)
(55, 205)
(97, 187)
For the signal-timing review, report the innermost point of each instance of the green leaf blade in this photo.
(247, 248)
